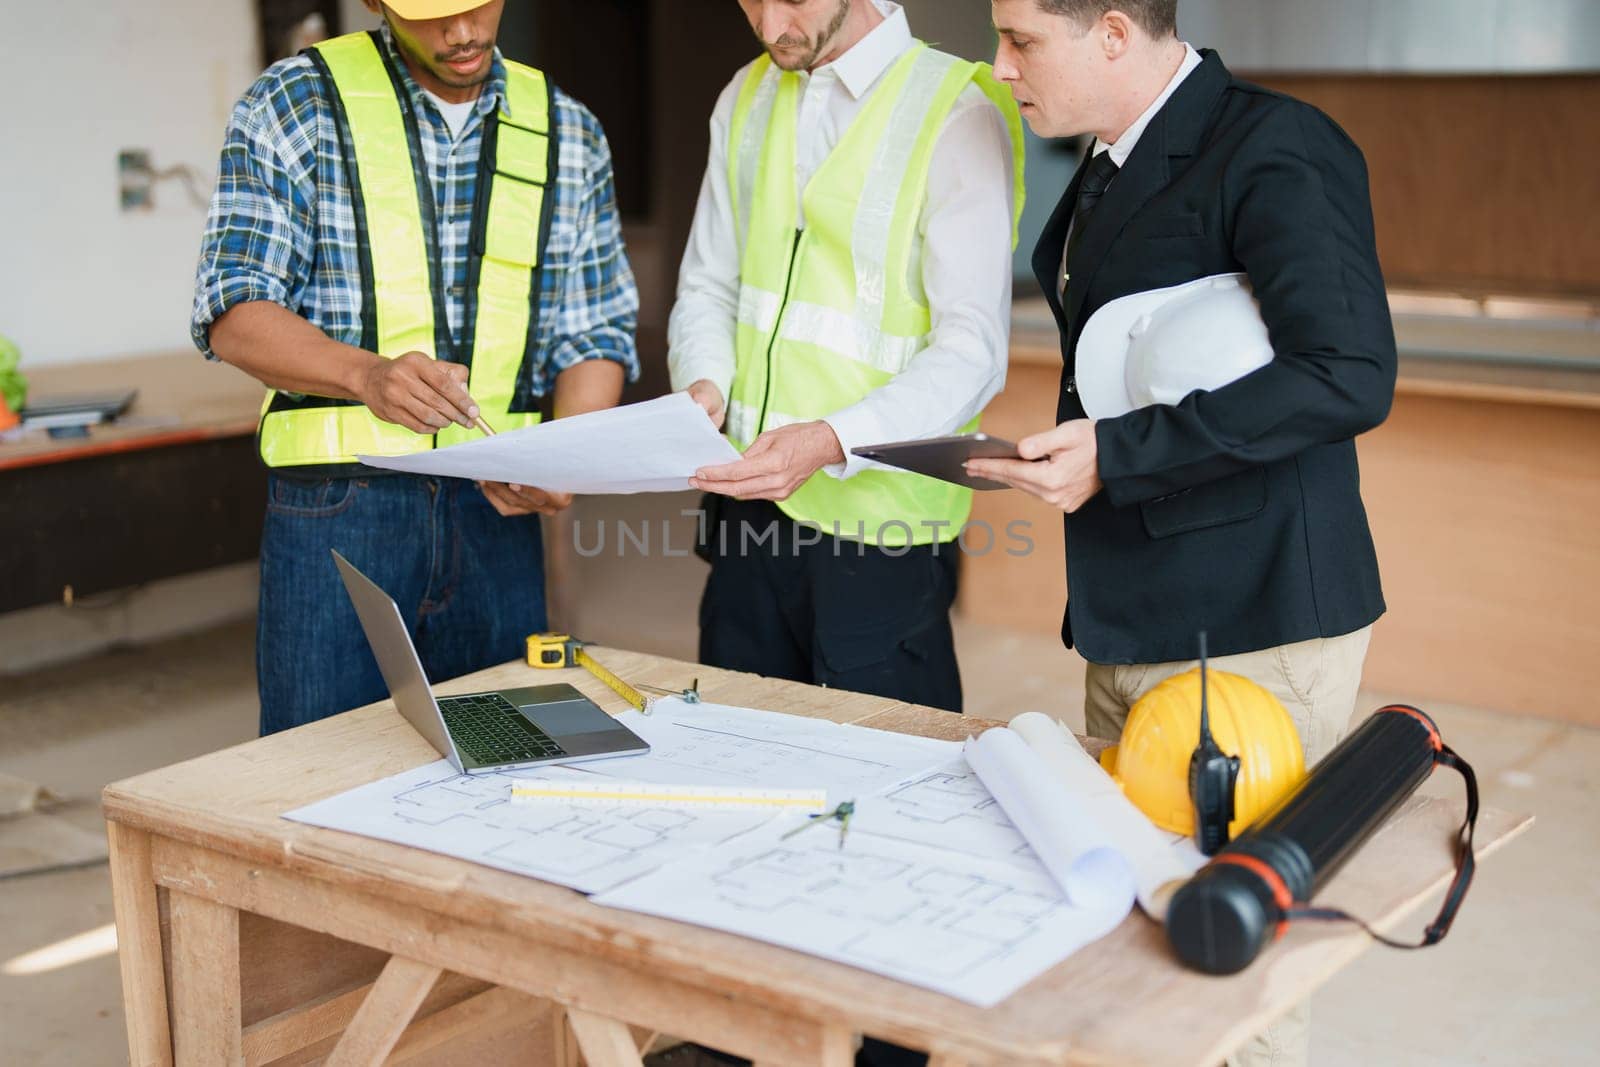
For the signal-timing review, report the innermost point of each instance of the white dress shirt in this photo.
(964, 236)
(1123, 147)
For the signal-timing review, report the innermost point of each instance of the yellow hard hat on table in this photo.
(1151, 762)
(431, 9)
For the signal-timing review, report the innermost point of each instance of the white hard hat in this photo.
(1159, 346)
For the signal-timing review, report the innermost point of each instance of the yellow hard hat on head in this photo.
(1151, 762)
(431, 9)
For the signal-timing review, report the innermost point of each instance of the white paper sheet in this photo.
(716, 744)
(653, 447)
(975, 928)
(473, 817)
(1073, 814)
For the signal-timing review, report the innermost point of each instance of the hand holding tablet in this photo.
(943, 457)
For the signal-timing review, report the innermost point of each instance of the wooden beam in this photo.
(384, 1014)
(497, 1007)
(205, 983)
(289, 1031)
(604, 1042)
(144, 986)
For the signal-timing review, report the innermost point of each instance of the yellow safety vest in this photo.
(832, 312)
(401, 307)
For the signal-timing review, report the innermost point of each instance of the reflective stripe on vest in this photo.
(836, 311)
(400, 305)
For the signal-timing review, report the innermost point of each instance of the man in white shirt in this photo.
(863, 299)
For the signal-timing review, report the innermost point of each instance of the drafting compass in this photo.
(842, 813)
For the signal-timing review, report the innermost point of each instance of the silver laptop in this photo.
(481, 732)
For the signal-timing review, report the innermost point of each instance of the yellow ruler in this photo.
(617, 793)
(555, 651)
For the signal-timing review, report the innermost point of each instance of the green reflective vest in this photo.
(832, 312)
(402, 306)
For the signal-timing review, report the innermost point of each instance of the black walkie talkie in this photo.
(1211, 778)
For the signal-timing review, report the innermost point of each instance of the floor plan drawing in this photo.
(474, 818)
(973, 927)
(947, 807)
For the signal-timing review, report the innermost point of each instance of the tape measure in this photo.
(553, 652)
(612, 793)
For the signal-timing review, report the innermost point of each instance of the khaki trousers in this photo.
(1316, 681)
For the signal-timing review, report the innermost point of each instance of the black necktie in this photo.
(1096, 178)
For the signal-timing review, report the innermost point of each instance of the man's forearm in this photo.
(283, 351)
(592, 385)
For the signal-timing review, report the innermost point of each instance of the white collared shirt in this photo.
(965, 261)
(1123, 148)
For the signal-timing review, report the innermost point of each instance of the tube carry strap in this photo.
(1465, 865)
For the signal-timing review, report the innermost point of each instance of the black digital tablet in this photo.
(943, 457)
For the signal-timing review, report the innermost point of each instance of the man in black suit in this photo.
(1235, 509)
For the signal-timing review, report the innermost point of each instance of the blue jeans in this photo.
(469, 583)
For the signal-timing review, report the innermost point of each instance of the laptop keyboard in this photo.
(489, 730)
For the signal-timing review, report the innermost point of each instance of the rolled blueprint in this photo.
(1081, 856)
(1078, 810)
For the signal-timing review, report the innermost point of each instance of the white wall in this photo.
(961, 27)
(1399, 36)
(80, 279)
(353, 15)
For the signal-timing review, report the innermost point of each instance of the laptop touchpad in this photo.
(567, 716)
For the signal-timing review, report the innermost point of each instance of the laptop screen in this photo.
(397, 657)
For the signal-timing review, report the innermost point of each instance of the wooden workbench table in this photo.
(215, 895)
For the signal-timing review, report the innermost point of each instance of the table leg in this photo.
(604, 1042)
(385, 1014)
(566, 1052)
(144, 984)
(206, 1029)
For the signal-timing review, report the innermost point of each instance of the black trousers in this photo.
(791, 602)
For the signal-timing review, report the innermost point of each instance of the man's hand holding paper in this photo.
(776, 463)
(653, 447)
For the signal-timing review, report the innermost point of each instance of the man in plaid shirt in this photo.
(281, 294)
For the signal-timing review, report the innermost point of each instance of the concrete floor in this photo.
(1515, 984)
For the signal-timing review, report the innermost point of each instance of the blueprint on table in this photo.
(590, 849)
(935, 885)
(965, 882)
(974, 927)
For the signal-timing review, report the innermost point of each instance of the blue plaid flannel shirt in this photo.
(282, 226)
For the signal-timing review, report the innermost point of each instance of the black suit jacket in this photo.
(1239, 509)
